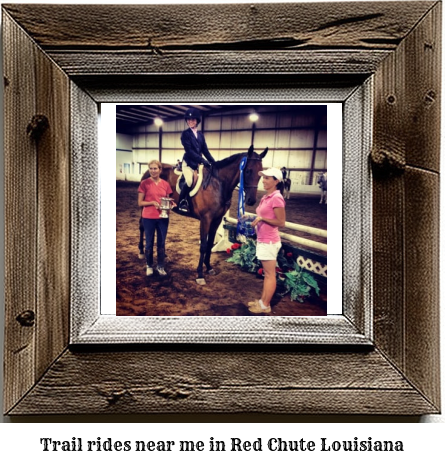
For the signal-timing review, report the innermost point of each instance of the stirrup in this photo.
(183, 206)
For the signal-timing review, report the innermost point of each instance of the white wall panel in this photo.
(180, 125)
(172, 126)
(240, 141)
(268, 121)
(300, 178)
(321, 160)
(169, 157)
(241, 122)
(123, 157)
(264, 139)
(213, 140)
(146, 155)
(213, 123)
(281, 158)
(303, 139)
(138, 140)
(171, 141)
(282, 139)
(300, 159)
(322, 139)
(226, 122)
(284, 120)
(124, 141)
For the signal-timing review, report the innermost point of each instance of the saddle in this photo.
(197, 180)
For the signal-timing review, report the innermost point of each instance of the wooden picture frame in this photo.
(59, 69)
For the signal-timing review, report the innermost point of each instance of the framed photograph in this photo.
(376, 352)
(295, 139)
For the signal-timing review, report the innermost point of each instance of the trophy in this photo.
(165, 205)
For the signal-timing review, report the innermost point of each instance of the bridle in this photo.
(247, 161)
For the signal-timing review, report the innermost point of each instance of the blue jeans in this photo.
(160, 226)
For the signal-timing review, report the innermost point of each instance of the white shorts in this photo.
(267, 251)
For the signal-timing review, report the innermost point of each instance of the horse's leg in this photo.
(141, 239)
(203, 231)
(210, 241)
(326, 197)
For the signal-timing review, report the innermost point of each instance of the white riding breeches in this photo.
(188, 173)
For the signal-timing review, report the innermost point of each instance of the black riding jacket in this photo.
(194, 147)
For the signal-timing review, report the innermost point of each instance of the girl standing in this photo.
(270, 216)
(150, 192)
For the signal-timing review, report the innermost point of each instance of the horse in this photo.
(287, 184)
(214, 198)
(322, 182)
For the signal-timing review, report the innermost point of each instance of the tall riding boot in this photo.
(183, 205)
(149, 261)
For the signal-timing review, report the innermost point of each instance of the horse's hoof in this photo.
(211, 272)
(141, 256)
(201, 281)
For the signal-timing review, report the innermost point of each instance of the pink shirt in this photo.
(266, 232)
(153, 193)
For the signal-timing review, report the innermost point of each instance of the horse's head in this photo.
(253, 166)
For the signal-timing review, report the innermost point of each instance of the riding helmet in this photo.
(193, 113)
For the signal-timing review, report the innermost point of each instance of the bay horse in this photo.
(211, 202)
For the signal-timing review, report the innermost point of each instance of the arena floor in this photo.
(178, 294)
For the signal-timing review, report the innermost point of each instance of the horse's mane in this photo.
(227, 161)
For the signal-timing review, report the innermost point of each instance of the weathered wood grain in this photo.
(422, 324)
(38, 166)
(334, 44)
(272, 26)
(423, 92)
(20, 214)
(215, 381)
(406, 222)
(218, 62)
(53, 208)
(388, 272)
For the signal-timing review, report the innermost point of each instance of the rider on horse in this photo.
(195, 146)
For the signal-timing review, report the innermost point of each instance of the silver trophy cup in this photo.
(165, 205)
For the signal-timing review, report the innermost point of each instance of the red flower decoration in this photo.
(235, 246)
(229, 251)
(260, 271)
(289, 254)
(278, 270)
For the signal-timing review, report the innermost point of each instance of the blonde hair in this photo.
(155, 162)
